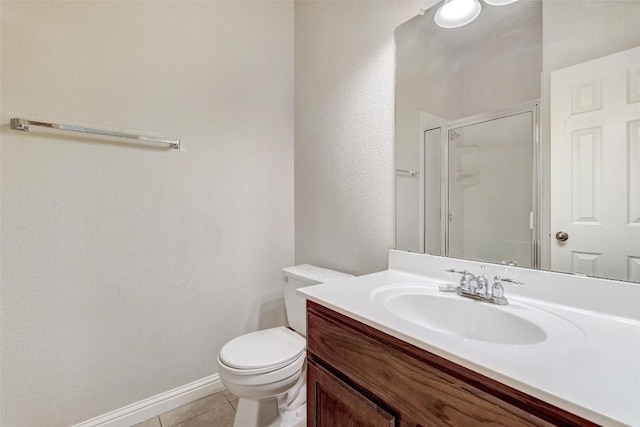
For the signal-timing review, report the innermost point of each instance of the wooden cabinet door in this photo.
(333, 403)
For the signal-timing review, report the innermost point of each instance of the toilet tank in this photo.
(297, 277)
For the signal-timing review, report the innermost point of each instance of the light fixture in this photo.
(499, 2)
(456, 13)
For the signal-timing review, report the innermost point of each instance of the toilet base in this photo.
(264, 413)
(255, 413)
(287, 410)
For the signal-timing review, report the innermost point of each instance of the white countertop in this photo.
(595, 373)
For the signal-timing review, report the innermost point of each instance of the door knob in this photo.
(562, 236)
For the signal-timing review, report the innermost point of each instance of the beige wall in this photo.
(125, 269)
(344, 115)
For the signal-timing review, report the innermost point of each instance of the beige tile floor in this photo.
(215, 410)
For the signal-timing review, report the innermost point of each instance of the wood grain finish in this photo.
(336, 404)
(420, 388)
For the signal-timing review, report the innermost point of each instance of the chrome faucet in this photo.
(477, 287)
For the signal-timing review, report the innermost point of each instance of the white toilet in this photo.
(266, 369)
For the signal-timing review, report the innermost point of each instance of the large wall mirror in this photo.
(518, 136)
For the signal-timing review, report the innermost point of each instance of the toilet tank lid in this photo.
(311, 273)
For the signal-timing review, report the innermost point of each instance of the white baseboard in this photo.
(142, 410)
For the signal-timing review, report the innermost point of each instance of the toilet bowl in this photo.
(267, 369)
(249, 371)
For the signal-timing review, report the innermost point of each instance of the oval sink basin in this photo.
(449, 313)
(467, 319)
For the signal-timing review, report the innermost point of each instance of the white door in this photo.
(595, 167)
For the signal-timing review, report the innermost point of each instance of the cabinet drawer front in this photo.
(427, 396)
(336, 404)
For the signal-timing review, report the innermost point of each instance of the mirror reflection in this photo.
(517, 136)
(490, 189)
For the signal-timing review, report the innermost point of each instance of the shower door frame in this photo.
(536, 181)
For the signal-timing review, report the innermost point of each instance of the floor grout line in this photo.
(228, 402)
(205, 412)
(195, 416)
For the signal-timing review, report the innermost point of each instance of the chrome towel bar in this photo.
(23, 125)
(412, 173)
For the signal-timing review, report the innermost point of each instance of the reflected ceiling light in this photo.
(499, 2)
(456, 13)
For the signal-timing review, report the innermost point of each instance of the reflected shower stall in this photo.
(480, 188)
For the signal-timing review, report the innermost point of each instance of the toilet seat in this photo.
(262, 351)
(259, 382)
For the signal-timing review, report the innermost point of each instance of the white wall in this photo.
(503, 71)
(344, 153)
(125, 269)
(575, 32)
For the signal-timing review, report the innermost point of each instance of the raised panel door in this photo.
(334, 403)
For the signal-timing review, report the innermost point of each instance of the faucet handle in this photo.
(513, 282)
(482, 282)
(467, 282)
(497, 291)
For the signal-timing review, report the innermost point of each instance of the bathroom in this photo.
(126, 267)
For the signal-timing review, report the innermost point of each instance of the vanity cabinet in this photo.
(359, 376)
